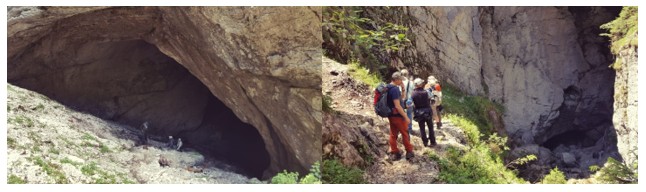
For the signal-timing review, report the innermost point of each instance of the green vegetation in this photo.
(104, 149)
(349, 34)
(11, 143)
(474, 109)
(362, 74)
(22, 120)
(103, 176)
(68, 161)
(616, 172)
(555, 177)
(13, 179)
(622, 32)
(327, 104)
(482, 161)
(53, 170)
(335, 172)
(39, 107)
(54, 151)
(314, 177)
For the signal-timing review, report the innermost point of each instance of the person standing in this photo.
(423, 112)
(398, 121)
(407, 90)
(434, 86)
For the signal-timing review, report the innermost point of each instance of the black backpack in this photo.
(381, 101)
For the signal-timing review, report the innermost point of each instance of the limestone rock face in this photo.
(547, 65)
(626, 96)
(266, 73)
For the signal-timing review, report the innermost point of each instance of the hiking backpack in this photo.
(381, 100)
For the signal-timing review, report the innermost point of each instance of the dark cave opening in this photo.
(570, 138)
(131, 82)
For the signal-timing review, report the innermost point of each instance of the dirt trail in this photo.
(353, 98)
(51, 143)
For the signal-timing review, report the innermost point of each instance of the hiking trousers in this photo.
(431, 132)
(398, 125)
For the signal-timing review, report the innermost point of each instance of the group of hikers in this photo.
(172, 143)
(406, 99)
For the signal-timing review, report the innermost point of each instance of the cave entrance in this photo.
(576, 138)
(131, 82)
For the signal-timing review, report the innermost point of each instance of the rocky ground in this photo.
(356, 136)
(52, 143)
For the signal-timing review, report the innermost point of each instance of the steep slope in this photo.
(357, 137)
(51, 143)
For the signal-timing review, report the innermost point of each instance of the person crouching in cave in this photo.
(423, 111)
(398, 119)
(433, 86)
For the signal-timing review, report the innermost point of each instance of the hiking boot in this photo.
(395, 156)
(432, 145)
(409, 155)
(439, 125)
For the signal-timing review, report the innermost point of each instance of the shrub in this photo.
(314, 177)
(364, 75)
(335, 172)
(327, 104)
(616, 172)
(349, 34)
(555, 177)
(13, 179)
(622, 32)
(474, 165)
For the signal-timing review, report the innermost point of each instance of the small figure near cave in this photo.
(179, 144)
(171, 142)
(143, 137)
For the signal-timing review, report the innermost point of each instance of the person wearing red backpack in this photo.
(398, 119)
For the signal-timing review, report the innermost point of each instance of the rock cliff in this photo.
(120, 63)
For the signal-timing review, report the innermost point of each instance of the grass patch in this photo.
(473, 109)
(103, 176)
(364, 75)
(13, 179)
(53, 170)
(54, 151)
(474, 165)
(335, 172)
(87, 136)
(22, 120)
(68, 161)
(481, 161)
(11, 143)
(105, 149)
(39, 107)
(36, 148)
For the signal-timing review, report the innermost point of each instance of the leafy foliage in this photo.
(622, 32)
(616, 172)
(555, 177)
(482, 161)
(314, 177)
(349, 34)
(475, 165)
(335, 172)
(362, 74)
